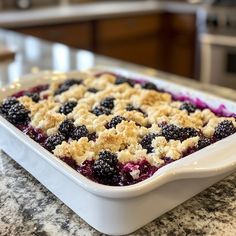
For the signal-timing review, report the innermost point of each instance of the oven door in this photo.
(218, 60)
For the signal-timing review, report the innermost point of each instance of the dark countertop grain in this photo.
(28, 208)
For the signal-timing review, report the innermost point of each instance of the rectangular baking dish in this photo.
(120, 210)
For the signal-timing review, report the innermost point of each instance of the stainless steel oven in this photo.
(218, 60)
(217, 36)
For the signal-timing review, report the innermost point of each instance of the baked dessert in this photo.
(115, 130)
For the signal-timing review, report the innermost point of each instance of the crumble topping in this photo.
(112, 123)
(173, 149)
(79, 150)
(75, 92)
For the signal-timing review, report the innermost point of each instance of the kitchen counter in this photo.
(88, 11)
(28, 208)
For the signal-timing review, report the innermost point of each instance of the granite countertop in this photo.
(28, 208)
(89, 11)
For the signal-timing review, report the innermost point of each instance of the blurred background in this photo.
(191, 38)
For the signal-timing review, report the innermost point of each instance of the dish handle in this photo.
(211, 164)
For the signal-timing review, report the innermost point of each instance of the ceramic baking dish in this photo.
(120, 210)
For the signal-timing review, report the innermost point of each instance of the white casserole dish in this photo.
(120, 210)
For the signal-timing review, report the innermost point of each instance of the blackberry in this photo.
(110, 157)
(171, 132)
(66, 85)
(114, 122)
(204, 142)
(66, 128)
(79, 132)
(54, 140)
(122, 80)
(130, 107)
(186, 133)
(17, 114)
(149, 85)
(92, 90)
(188, 106)
(146, 142)
(34, 96)
(67, 107)
(7, 104)
(224, 129)
(105, 173)
(108, 103)
(98, 111)
(92, 136)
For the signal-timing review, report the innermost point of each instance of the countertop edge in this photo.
(89, 11)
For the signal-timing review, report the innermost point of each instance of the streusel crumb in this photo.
(112, 129)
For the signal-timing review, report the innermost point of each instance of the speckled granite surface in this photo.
(28, 208)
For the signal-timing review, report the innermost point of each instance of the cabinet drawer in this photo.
(181, 61)
(182, 22)
(146, 51)
(128, 27)
(77, 35)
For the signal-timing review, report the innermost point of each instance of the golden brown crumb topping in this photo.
(120, 116)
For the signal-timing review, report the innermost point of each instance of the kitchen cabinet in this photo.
(140, 51)
(78, 35)
(180, 34)
(164, 41)
(135, 39)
